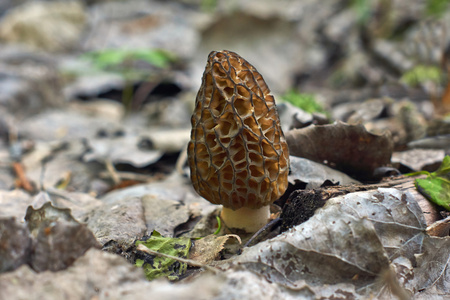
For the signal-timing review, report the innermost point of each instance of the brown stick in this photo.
(21, 180)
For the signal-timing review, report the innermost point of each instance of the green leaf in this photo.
(436, 8)
(115, 57)
(208, 5)
(436, 187)
(307, 102)
(362, 8)
(158, 58)
(103, 59)
(421, 74)
(156, 266)
(417, 173)
(444, 169)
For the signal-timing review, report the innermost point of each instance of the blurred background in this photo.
(123, 75)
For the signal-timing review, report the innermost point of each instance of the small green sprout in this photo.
(307, 102)
(219, 225)
(436, 187)
(421, 74)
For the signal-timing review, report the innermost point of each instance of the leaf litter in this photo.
(343, 251)
(345, 246)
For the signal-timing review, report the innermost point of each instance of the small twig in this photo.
(42, 175)
(128, 176)
(112, 171)
(16, 152)
(385, 184)
(22, 180)
(190, 262)
(262, 231)
(182, 158)
(142, 92)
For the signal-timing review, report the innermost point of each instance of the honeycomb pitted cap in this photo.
(238, 155)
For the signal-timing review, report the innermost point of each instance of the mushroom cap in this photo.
(237, 154)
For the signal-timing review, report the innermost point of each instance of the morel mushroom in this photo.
(238, 155)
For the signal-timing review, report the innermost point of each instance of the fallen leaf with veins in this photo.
(349, 148)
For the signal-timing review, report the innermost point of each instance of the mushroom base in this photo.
(250, 220)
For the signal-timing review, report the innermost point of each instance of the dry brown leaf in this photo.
(59, 238)
(348, 148)
(433, 266)
(163, 214)
(207, 249)
(15, 244)
(315, 174)
(350, 240)
(121, 221)
(419, 159)
(440, 228)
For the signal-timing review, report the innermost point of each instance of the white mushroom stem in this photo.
(250, 220)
